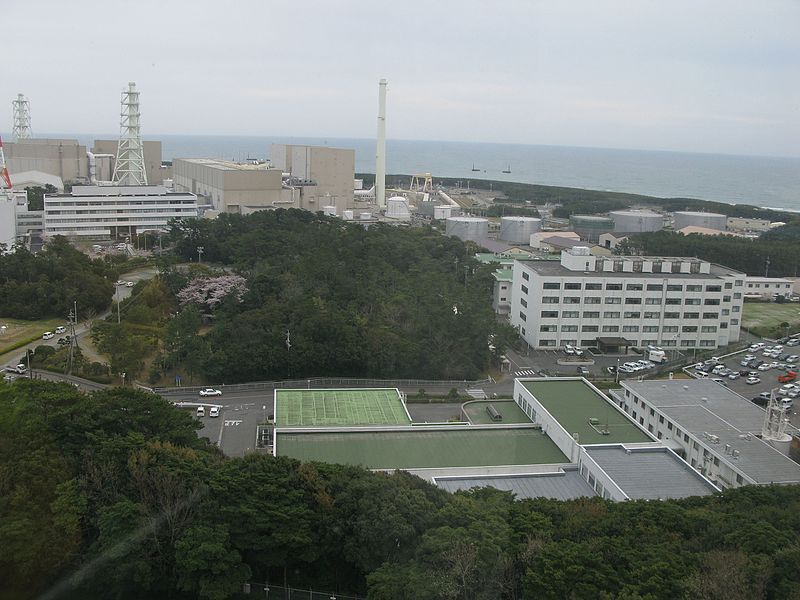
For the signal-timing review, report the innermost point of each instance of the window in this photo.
(590, 328)
(610, 328)
(650, 329)
(572, 300)
(687, 343)
(674, 288)
(593, 286)
(636, 287)
(522, 316)
(591, 300)
(654, 287)
(728, 286)
(670, 329)
(551, 285)
(737, 296)
(694, 288)
(611, 315)
(694, 301)
(633, 300)
(613, 300)
(569, 328)
(708, 343)
(522, 301)
(726, 311)
(711, 316)
(725, 299)
(723, 325)
(630, 328)
(736, 308)
(652, 301)
(572, 286)
(738, 283)
(713, 288)
(713, 301)
(672, 301)
(652, 315)
(632, 315)
(689, 328)
(547, 343)
(548, 328)
(570, 314)
(527, 277)
(652, 412)
(549, 299)
(613, 286)
(708, 329)
(691, 315)
(734, 321)
(524, 289)
(591, 314)
(548, 314)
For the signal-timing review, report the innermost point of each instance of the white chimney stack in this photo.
(380, 154)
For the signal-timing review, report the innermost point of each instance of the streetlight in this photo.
(200, 251)
(123, 378)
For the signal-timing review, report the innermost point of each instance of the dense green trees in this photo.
(46, 285)
(113, 495)
(383, 302)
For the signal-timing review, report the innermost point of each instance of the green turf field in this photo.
(344, 407)
(423, 448)
(765, 318)
(476, 411)
(17, 331)
(572, 403)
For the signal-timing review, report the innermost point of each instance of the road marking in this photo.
(233, 423)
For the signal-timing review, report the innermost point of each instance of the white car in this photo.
(48, 335)
(794, 393)
(129, 284)
(210, 392)
(214, 412)
(201, 411)
(792, 358)
(120, 282)
(569, 349)
(61, 329)
(753, 380)
(765, 367)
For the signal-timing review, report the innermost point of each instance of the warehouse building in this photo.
(65, 159)
(745, 224)
(718, 432)
(103, 212)
(663, 301)
(767, 287)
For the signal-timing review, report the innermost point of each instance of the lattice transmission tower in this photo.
(22, 119)
(129, 167)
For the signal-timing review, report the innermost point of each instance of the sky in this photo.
(716, 76)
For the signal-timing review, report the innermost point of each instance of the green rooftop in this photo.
(339, 407)
(423, 448)
(488, 258)
(503, 275)
(572, 403)
(511, 413)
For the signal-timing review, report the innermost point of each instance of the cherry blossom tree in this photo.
(209, 292)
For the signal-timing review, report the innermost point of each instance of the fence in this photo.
(318, 382)
(277, 592)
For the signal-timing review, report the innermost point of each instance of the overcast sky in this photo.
(688, 75)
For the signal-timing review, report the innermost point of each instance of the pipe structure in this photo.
(380, 154)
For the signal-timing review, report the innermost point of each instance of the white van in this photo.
(47, 335)
(786, 403)
(201, 411)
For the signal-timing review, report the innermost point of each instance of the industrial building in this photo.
(722, 435)
(636, 221)
(767, 287)
(686, 218)
(103, 212)
(637, 300)
(322, 176)
(107, 149)
(65, 159)
(745, 224)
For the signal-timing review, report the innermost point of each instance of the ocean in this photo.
(761, 181)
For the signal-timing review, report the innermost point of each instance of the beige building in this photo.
(62, 158)
(323, 176)
(231, 187)
(152, 160)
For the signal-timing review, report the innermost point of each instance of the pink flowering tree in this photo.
(209, 292)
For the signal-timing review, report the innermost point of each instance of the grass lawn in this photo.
(764, 318)
(18, 332)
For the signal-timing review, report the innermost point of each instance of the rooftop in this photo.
(227, 165)
(489, 257)
(339, 407)
(556, 269)
(504, 275)
(423, 447)
(118, 190)
(510, 411)
(654, 473)
(572, 402)
(704, 407)
(566, 484)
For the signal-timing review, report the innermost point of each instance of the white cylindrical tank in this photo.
(468, 228)
(636, 221)
(442, 212)
(518, 230)
(686, 218)
(397, 208)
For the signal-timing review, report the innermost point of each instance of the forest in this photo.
(384, 302)
(743, 254)
(113, 495)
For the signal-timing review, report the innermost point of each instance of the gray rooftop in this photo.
(654, 473)
(702, 406)
(556, 269)
(563, 485)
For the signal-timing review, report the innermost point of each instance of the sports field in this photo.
(339, 407)
(572, 403)
(423, 448)
(765, 318)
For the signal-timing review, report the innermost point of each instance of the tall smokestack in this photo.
(380, 154)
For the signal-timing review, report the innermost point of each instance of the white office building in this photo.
(103, 212)
(626, 300)
(767, 287)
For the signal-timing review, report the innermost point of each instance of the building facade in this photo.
(743, 224)
(664, 301)
(103, 212)
(767, 287)
(152, 160)
(65, 159)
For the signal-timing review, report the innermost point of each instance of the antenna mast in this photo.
(22, 119)
(129, 167)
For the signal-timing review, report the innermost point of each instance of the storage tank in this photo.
(397, 208)
(589, 227)
(636, 221)
(468, 228)
(518, 230)
(442, 212)
(686, 218)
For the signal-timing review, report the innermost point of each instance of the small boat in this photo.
(473, 168)
(508, 170)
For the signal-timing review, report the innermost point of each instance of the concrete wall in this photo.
(332, 169)
(63, 158)
(598, 478)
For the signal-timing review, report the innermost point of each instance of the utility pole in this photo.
(766, 268)
(200, 251)
(118, 301)
(466, 270)
(288, 347)
(72, 319)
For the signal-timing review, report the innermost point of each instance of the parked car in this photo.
(48, 335)
(201, 411)
(611, 370)
(793, 342)
(764, 367)
(792, 358)
(756, 346)
(214, 412)
(753, 380)
(129, 284)
(61, 329)
(120, 282)
(719, 381)
(733, 375)
(570, 350)
(760, 401)
(210, 392)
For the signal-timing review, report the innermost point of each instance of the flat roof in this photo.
(556, 269)
(504, 275)
(423, 447)
(572, 402)
(340, 407)
(653, 473)
(564, 485)
(488, 257)
(510, 411)
(227, 165)
(700, 406)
